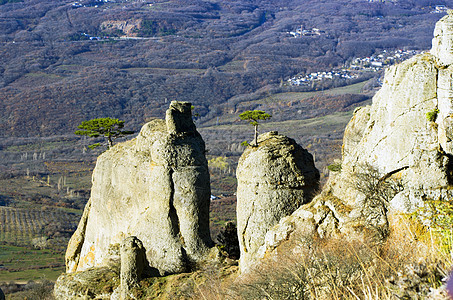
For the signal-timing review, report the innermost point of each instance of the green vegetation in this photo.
(110, 128)
(219, 163)
(228, 242)
(431, 116)
(25, 263)
(438, 215)
(355, 88)
(78, 37)
(153, 28)
(335, 167)
(253, 117)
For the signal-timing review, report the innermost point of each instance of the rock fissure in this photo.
(172, 212)
(411, 109)
(377, 144)
(243, 235)
(389, 174)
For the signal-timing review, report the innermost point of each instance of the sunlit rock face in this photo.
(407, 131)
(405, 137)
(274, 179)
(155, 187)
(442, 45)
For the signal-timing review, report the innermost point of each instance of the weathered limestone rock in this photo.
(404, 140)
(274, 179)
(397, 137)
(75, 244)
(94, 283)
(442, 45)
(133, 263)
(155, 187)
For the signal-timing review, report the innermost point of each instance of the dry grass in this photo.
(408, 265)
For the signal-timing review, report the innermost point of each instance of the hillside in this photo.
(62, 62)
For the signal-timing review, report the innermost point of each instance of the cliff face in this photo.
(155, 187)
(397, 153)
(274, 179)
(407, 132)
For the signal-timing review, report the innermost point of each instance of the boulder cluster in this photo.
(148, 214)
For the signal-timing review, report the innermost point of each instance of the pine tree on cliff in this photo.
(110, 128)
(252, 116)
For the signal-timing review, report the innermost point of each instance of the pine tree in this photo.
(252, 116)
(110, 128)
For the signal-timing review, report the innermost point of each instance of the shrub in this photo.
(378, 190)
(431, 116)
(228, 241)
(400, 268)
(335, 167)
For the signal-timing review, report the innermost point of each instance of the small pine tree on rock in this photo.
(110, 128)
(253, 116)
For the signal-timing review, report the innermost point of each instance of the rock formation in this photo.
(274, 179)
(133, 264)
(155, 187)
(397, 153)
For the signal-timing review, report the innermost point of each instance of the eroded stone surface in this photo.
(155, 187)
(133, 264)
(397, 141)
(94, 283)
(442, 45)
(274, 179)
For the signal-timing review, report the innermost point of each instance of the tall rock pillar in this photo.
(155, 187)
(274, 179)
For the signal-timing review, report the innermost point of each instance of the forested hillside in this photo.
(62, 62)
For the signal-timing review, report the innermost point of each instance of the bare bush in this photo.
(378, 190)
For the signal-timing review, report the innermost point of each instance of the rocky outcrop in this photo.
(155, 187)
(129, 27)
(274, 179)
(397, 153)
(133, 265)
(442, 46)
(94, 283)
(406, 133)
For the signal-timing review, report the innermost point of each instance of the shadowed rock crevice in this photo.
(172, 214)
